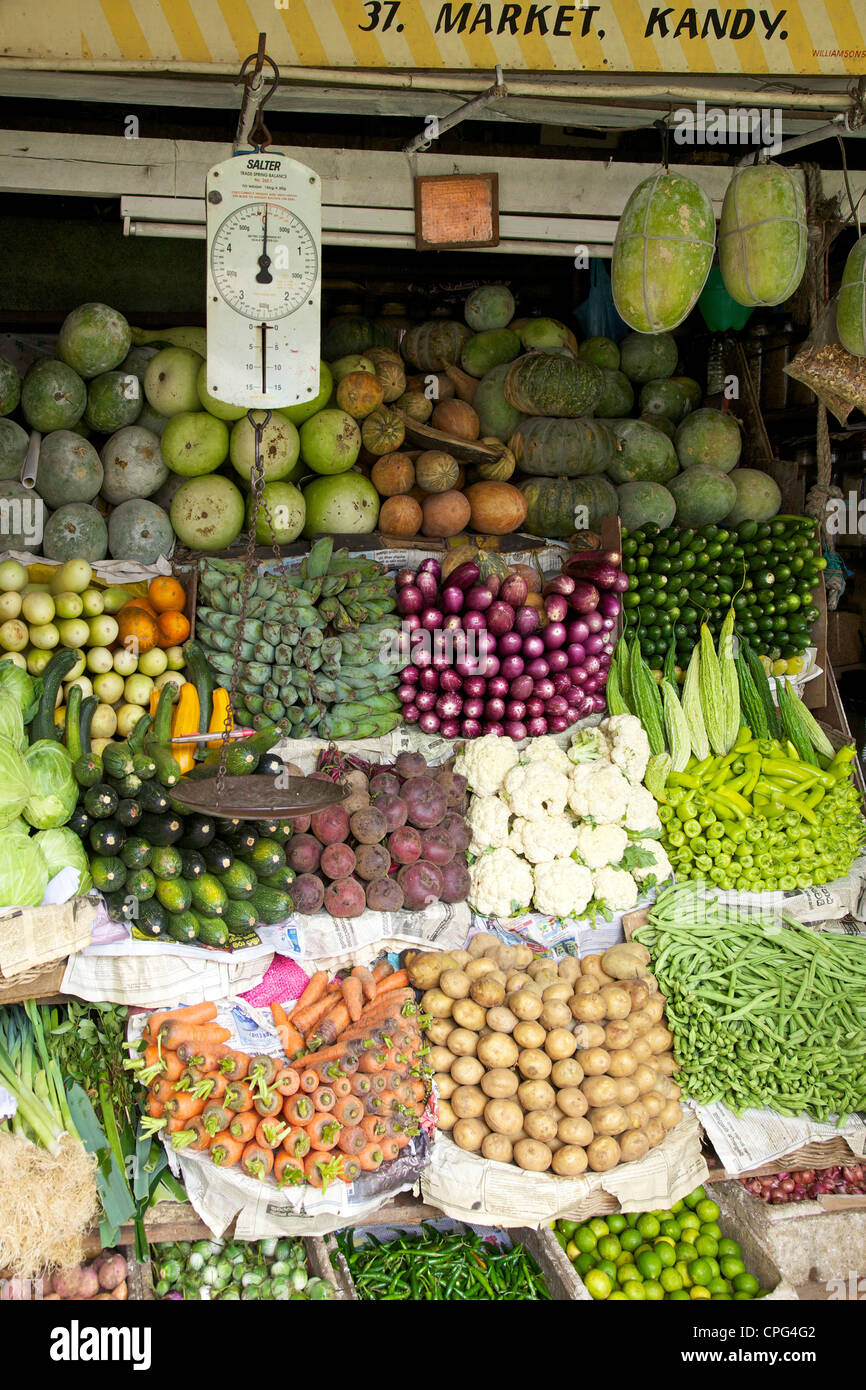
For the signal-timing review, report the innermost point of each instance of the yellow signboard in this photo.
(783, 37)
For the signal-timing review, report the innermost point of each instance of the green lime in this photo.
(598, 1284)
(705, 1245)
(671, 1228)
(608, 1268)
(762, 1293)
(707, 1209)
(632, 1217)
(585, 1239)
(722, 1298)
(690, 1221)
(641, 1249)
(626, 1258)
(616, 1222)
(653, 1291)
(618, 1297)
(648, 1226)
(562, 1241)
(598, 1227)
(686, 1250)
(630, 1239)
(649, 1264)
(699, 1292)
(682, 1270)
(665, 1215)
(609, 1248)
(666, 1253)
(634, 1290)
(731, 1266)
(680, 1294)
(571, 1250)
(583, 1262)
(694, 1197)
(742, 1297)
(711, 1228)
(700, 1271)
(729, 1247)
(745, 1283)
(677, 1207)
(716, 1286)
(627, 1274)
(567, 1228)
(714, 1266)
(670, 1280)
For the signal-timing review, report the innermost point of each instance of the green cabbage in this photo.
(14, 783)
(63, 849)
(23, 871)
(52, 790)
(12, 720)
(26, 688)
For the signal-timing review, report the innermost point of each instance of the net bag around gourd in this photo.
(763, 235)
(662, 252)
(851, 303)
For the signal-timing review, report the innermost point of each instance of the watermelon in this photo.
(644, 358)
(114, 399)
(70, 469)
(139, 531)
(53, 396)
(602, 351)
(704, 495)
(10, 387)
(711, 437)
(762, 234)
(662, 252)
(489, 307)
(646, 454)
(643, 503)
(562, 448)
(75, 532)
(13, 449)
(133, 465)
(495, 416)
(850, 307)
(489, 349)
(93, 339)
(544, 384)
(666, 397)
(758, 496)
(552, 504)
(617, 395)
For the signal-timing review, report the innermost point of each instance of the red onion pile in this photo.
(805, 1184)
(484, 661)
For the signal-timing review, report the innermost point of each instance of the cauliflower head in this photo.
(588, 745)
(616, 888)
(642, 811)
(546, 750)
(535, 790)
(500, 884)
(600, 791)
(629, 745)
(562, 888)
(488, 819)
(484, 763)
(659, 871)
(542, 840)
(598, 845)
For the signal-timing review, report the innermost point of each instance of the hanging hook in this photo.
(254, 102)
(663, 129)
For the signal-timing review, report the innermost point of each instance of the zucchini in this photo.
(127, 786)
(282, 880)
(100, 801)
(153, 798)
(140, 884)
(270, 905)
(86, 767)
(198, 832)
(152, 918)
(208, 895)
(218, 857)
(174, 894)
(242, 841)
(106, 837)
(143, 766)
(266, 858)
(182, 926)
(192, 864)
(136, 853)
(239, 917)
(80, 822)
(128, 813)
(157, 743)
(108, 873)
(117, 760)
(238, 881)
(121, 907)
(243, 756)
(161, 830)
(167, 862)
(43, 725)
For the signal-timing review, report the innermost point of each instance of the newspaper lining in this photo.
(760, 1136)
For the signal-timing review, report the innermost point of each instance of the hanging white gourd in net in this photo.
(662, 253)
(762, 235)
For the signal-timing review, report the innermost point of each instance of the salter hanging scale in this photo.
(263, 292)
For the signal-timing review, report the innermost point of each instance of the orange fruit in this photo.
(166, 594)
(135, 625)
(141, 603)
(173, 628)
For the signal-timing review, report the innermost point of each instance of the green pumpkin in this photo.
(435, 345)
(543, 383)
(346, 334)
(562, 448)
(552, 504)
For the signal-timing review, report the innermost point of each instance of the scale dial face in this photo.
(264, 261)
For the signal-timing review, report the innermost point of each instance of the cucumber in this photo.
(140, 884)
(174, 893)
(128, 813)
(218, 857)
(108, 873)
(270, 905)
(182, 926)
(152, 918)
(266, 858)
(282, 880)
(208, 895)
(239, 917)
(167, 862)
(136, 853)
(193, 865)
(106, 837)
(212, 931)
(238, 881)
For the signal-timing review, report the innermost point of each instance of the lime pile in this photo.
(654, 1255)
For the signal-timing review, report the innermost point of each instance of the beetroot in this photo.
(437, 846)
(384, 784)
(345, 898)
(426, 801)
(372, 861)
(331, 825)
(454, 786)
(300, 824)
(405, 845)
(303, 854)
(308, 893)
(455, 882)
(384, 895)
(394, 809)
(368, 826)
(456, 828)
(338, 861)
(421, 884)
(410, 765)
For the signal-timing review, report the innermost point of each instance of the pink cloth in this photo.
(284, 980)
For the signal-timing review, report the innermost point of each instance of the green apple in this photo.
(10, 604)
(103, 630)
(137, 689)
(99, 660)
(37, 608)
(108, 687)
(93, 602)
(45, 636)
(127, 718)
(153, 663)
(75, 575)
(37, 660)
(68, 605)
(125, 662)
(74, 632)
(13, 575)
(175, 659)
(114, 598)
(14, 636)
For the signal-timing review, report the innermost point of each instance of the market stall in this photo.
(432, 835)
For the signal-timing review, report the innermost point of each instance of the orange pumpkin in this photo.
(392, 475)
(400, 516)
(497, 508)
(445, 514)
(436, 471)
(456, 418)
(134, 625)
(144, 604)
(173, 628)
(359, 394)
(166, 594)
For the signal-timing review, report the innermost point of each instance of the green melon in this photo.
(53, 396)
(13, 449)
(75, 532)
(342, 505)
(661, 422)
(763, 234)
(693, 392)
(133, 465)
(282, 513)
(114, 399)
(643, 503)
(544, 333)
(662, 252)
(280, 447)
(709, 437)
(171, 380)
(223, 410)
(544, 384)
(645, 357)
(602, 351)
(617, 395)
(552, 504)
(703, 495)
(562, 448)
(354, 362)
(758, 496)
(150, 419)
(850, 307)
(330, 442)
(138, 359)
(194, 442)
(139, 531)
(306, 409)
(646, 454)
(487, 350)
(70, 469)
(434, 345)
(207, 514)
(93, 339)
(496, 417)
(489, 307)
(666, 397)
(345, 334)
(10, 387)
(20, 522)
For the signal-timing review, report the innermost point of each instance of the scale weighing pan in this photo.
(256, 796)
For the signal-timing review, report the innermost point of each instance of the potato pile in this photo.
(562, 1067)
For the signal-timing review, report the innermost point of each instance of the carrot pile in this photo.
(348, 1100)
